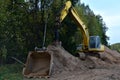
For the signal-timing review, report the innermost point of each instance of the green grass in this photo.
(116, 47)
(11, 72)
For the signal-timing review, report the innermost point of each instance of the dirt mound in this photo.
(112, 55)
(62, 60)
(61, 65)
(68, 67)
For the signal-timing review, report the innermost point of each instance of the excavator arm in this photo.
(69, 10)
(87, 41)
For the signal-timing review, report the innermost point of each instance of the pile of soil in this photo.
(68, 67)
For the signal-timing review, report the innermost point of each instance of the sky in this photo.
(110, 12)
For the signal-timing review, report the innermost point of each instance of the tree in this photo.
(22, 26)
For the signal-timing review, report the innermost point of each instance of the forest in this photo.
(22, 24)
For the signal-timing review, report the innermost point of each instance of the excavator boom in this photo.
(88, 42)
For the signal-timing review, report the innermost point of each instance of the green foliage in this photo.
(22, 26)
(95, 23)
(11, 72)
(67, 35)
(115, 47)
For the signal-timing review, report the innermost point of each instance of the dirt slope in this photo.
(68, 67)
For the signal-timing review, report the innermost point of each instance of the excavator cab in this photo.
(94, 42)
(94, 45)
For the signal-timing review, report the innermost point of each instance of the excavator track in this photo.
(100, 55)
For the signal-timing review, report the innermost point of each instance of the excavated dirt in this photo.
(68, 67)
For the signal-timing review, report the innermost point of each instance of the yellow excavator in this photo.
(39, 62)
(90, 44)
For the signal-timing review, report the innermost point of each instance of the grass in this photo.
(11, 72)
(116, 47)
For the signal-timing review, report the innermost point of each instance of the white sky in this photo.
(110, 11)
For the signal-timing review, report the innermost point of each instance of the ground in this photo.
(68, 67)
(111, 73)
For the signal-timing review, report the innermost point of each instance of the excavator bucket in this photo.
(38, 64)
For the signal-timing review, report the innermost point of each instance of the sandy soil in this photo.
(67, 67)
(92, 68)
